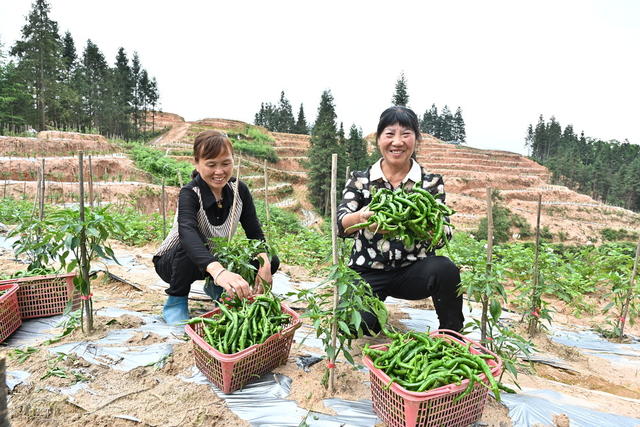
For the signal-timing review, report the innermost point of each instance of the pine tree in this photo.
(153, 96)
(93, 71)
(460, 134)
(259, 117)
(143, 93)
(136, 101)
(324, 142)
(301, 124)
(16, 102)
(39, 60)
(430, 121)
(286, 121)
(446, 125)
(356, 149)
(123, 94)
(401, 96)
(69, 56)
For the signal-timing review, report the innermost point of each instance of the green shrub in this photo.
(612, 235)
(159, 165)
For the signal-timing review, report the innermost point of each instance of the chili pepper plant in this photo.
(236, 255)
(59, 235)
(618, 271)
(355, 297)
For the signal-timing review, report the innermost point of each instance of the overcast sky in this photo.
(503, 62)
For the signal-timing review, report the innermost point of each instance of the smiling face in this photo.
(216, 171)
(396, 144)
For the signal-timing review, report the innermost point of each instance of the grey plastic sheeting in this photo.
(262, 403)
(34, 331)
(532, 407)
(594, 344)
(15, 378)
(107, 352)
(7, 242)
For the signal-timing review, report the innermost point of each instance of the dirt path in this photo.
(174, 135)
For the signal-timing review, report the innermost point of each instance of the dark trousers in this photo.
(176, 268)
(434, 276)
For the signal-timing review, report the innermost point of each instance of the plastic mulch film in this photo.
(15, 378)
(594, 344)
(262, 403)
(113, 350)
(531, 407)
(34, 331)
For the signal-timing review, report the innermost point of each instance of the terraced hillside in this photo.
(115, 177)
(286, 177)
(467, 172)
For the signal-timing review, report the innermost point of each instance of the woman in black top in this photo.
(204, 211)
(387, 265)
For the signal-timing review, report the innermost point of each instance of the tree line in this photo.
(606, 170)
(46, 84)
(279, 118)
(327, 138)
(445, 126)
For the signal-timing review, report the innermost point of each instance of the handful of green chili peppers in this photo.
(243, 324)
(419, 362)
(410, 216)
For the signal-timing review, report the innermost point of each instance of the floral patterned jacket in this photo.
(374, 251)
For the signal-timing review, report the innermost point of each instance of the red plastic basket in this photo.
(399, 407)
(231, 372)
(41, 296)
(9, 311)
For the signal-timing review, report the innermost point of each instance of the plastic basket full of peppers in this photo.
(408, 215)
(242, 339)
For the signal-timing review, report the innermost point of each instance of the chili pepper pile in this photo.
(420, 363)
(409, 216)
(243, 324)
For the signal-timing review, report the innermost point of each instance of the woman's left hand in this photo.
(264, 273)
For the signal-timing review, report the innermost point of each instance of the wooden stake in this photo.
(627, 301)
(266, 199)
(485, 298)
(533, 321)
(90, 183)
(164, 212)
(235, 200)
(346, 175)
(180, 179)
(84, 264)
(4, 414)
(334, 250)
(41, 191)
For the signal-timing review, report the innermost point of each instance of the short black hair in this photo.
(401, 115)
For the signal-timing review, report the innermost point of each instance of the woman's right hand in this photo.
(234, 284)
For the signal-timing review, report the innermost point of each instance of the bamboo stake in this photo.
(4, 414)
(627, 302)
(485, 298)
(266, 199)
(346, 175)
(334, 250)
(41, 192)
(90, 183)
(533, 321)
(84, 267)
(180, 179)
(235, 200)
(164, 212)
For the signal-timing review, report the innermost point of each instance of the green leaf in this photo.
(356, 319)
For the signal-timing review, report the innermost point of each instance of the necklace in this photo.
(219, 203)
